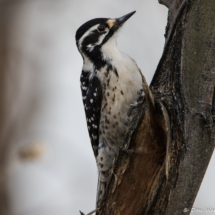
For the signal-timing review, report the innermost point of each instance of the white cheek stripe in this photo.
(87, 33)
(101, 38)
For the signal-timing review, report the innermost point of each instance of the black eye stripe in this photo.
(91, 39)
(96, 32)
(103, 32)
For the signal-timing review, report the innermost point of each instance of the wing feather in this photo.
(92, 98)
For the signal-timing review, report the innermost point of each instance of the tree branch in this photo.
(167, 3)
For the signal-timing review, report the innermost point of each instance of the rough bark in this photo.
(184, 84)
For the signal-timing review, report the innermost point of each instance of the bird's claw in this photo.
(92, 212)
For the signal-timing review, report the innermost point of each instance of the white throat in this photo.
(88, 64)
(109, 49)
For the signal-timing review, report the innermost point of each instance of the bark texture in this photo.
(156, 173)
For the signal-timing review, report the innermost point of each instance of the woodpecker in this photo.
(110, 81)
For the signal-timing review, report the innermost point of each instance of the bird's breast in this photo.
(120, 82)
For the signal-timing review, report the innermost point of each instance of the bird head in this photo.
(93, 35)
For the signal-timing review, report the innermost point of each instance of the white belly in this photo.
(118, 94)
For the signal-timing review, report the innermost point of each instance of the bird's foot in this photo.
(92, 212)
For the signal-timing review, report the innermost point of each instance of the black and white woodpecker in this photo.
(110, 80)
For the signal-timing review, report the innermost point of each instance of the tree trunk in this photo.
(18, 95)
(169, 144)
(32, 105)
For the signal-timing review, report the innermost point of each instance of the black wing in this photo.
(92, 98)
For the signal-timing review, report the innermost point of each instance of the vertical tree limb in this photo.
(18, 94)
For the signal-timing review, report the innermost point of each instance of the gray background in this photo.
(63, 179)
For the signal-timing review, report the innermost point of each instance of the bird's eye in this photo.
(101, 28)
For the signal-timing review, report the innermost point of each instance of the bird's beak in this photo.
(120, 21)
(116, 23)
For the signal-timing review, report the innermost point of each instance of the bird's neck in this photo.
(109, 50)
(100, 58)
(88, 65)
